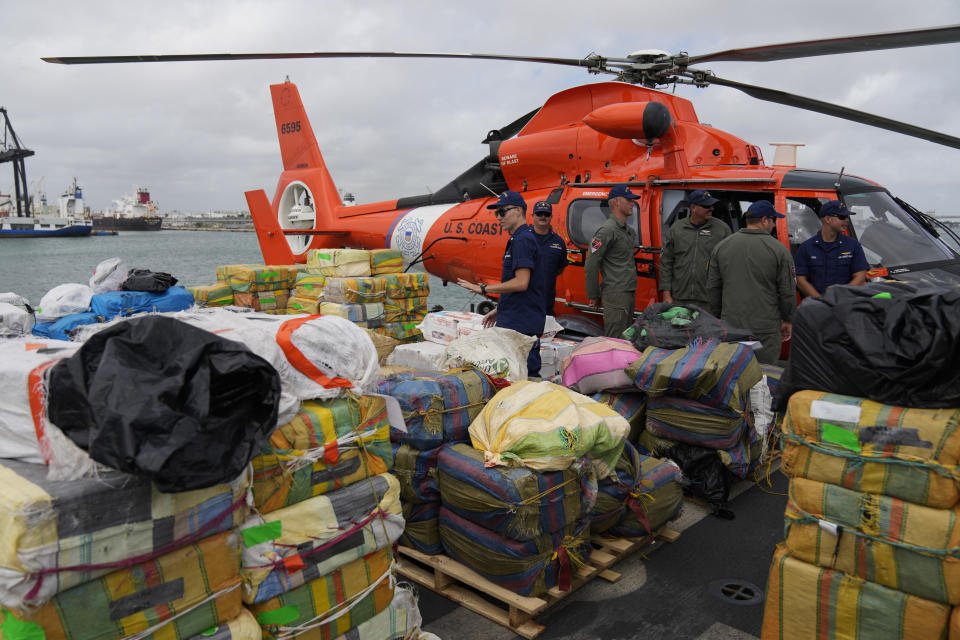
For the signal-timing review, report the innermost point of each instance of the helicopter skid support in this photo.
(469, 589)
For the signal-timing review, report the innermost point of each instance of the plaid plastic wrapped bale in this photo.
(417, 472)
(69, 528)
(911, 454)
(407, 285)
(297, 305)
(438, 408)
(402, 331)
(631, 405)
(695, 423)
(808, 602)
(904, 546)
(273, 300)
(340, 263)
(329, 445)
(359, 313)
(330, 606)
(177, 595)
(529, 568)
(212, 295)
(513, 501)
(245, 278)
(642, 495)
(384, 261)
(295, 545)
(546, 427)
(310, 285)
(400, 621)
(405, 309)
(354, 290)
(717, 374)
(422, 532)
(740, 459)
(243, 627)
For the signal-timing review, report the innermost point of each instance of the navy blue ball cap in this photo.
(702, 198)
(621, 191)
(763, 209)
(509, 199)
(543, 207)
(834, 208)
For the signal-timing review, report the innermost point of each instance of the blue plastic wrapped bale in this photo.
(417, 472)
(695, 423)
(60, 328)
(718, 374)
(421, 532)
(516, 502)
(630, 404)
(438, 407)
(642, 495)
(773, 373)
(126, 303)
(529, 568)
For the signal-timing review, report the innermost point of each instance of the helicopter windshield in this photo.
(890, 236)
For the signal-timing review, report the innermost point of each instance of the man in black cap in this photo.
(611, 255)
(520, 306)
(830, 257)
(686, 252)
(551, 252)
(751, 281)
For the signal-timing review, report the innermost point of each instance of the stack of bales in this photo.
(643, 492)
(112, 556)
(437, 409)
(872, 521)
(698, 402)
(406, 305)
(261, 287)
(307, 293)
(515, 506)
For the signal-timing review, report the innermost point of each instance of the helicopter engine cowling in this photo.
(631, 120)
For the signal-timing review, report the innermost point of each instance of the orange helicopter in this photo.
(570, 151)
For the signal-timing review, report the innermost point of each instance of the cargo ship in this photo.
(135, 212)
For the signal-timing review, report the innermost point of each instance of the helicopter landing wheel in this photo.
(485, 307)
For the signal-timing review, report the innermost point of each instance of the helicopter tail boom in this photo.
(273, 245)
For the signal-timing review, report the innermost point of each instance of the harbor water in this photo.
(33, 266)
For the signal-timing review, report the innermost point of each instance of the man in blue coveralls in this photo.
(551, 252)
(830, 257)
(521, 299)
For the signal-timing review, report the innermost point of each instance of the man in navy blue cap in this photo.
(751, 281)
(830, 257)
(551, 251)
(611, 256)
(686, 252)
(520, 306)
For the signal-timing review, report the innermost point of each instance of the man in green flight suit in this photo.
(611, 256)
(687, 249)
(751, 281)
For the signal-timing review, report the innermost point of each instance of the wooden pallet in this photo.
(464, 586)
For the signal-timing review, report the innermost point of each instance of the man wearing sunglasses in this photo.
(520, 306)
(830, 257)
(751, 282)
(551, 252)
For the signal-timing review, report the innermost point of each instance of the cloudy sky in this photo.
(200, 134)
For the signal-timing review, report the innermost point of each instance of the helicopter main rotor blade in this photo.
(830, 46)
(589, 62)
(810, 104)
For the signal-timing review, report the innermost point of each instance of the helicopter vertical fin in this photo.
(299, 150)
(273, 244)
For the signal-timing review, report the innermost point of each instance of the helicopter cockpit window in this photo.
(585, 216)
(802, 220)
(890, 236)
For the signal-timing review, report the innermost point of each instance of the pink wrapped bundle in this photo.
(598, 365)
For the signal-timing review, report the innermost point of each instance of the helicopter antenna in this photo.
(492, 192)
(836, 185)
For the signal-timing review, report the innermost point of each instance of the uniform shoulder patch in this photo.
(595, 244)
